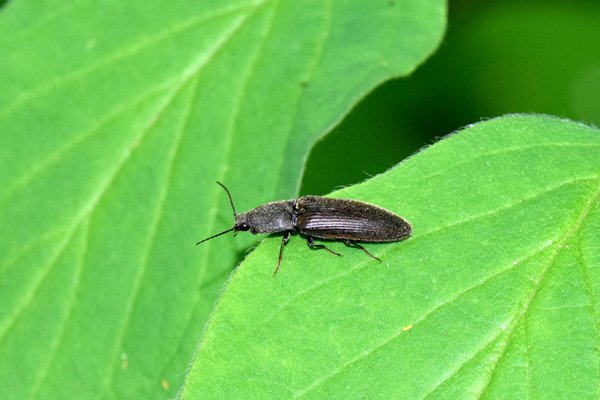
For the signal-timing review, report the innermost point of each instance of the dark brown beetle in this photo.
(321, 218)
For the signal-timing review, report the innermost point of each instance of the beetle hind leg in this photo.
(310, 241)
(358, 246)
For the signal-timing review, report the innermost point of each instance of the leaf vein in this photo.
(55, 157)
(551, 262)
(43, 371)
(506, 150)
(423, 318)
(123, 54)
(162, 196)
(586, 272)
(229, 134)
(36, 284)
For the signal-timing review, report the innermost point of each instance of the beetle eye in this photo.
(253, 231)
(243, 227)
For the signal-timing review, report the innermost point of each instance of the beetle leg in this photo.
(358, 246)
(284, 240)
(310, 241)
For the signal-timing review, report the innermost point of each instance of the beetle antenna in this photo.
(230, 200)
(214, 236)
(234, 214)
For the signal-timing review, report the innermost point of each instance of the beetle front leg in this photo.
(311, 243)
(284, 240)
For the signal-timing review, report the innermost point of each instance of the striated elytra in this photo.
(322, 218)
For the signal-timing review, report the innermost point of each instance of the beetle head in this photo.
(242, 223)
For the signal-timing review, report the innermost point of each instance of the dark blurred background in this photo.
(497, 58)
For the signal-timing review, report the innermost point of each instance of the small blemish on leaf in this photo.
(124, 362)
(165, 384)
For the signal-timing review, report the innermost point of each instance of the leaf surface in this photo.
(495, 295)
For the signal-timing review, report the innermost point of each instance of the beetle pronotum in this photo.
(322, 218)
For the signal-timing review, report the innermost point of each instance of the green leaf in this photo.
(116, 118)
(496, 294)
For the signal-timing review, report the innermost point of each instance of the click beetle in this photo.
(319, 217)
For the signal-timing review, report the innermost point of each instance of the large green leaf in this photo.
(496, 294)
(116, 118)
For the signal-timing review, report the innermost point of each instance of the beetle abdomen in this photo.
(327, 218)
